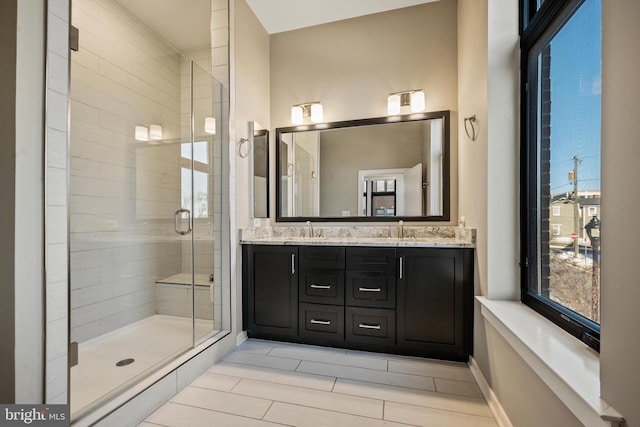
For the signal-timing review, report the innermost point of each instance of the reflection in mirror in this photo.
(260, 169)
(387, 168)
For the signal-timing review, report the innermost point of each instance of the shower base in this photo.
(148, 342)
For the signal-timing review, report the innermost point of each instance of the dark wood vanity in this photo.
(399, 299)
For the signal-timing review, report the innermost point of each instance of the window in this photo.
(592, 211)
(561, 110)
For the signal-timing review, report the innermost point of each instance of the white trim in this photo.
(492, 400)
(566, 365)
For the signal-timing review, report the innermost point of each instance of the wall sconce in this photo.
(142, 133)
(311, 109)
(210, 125)
(155, 132)
(414, 98)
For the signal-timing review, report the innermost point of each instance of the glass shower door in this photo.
(145, 217)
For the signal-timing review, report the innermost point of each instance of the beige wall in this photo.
(352, 65)
(252, 95)
(250, 80)
(619, 373)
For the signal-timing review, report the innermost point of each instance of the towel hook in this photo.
(471, 120)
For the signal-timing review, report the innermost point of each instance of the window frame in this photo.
(536, 27)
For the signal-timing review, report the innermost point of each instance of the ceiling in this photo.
(284, 15)
(185, 23)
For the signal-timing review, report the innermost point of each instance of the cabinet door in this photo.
(431, 302)
(271, 291)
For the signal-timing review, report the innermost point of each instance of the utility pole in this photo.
(576, 208)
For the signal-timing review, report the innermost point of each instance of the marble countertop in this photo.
(414, 236)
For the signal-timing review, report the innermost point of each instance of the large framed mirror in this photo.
(379, 169)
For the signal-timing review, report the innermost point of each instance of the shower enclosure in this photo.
(145, 202)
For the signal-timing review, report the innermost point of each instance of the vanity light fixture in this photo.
(413, 98)
(155, 132)
(210, 125)
(314, 110)
(142, 133)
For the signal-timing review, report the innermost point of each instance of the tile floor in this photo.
(265, 383)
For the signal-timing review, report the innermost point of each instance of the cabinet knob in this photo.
(320, 322)
(320, 286)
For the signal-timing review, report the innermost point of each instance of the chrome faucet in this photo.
(309, 229)
(401, 229)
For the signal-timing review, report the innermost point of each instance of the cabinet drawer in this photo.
(371, 289)
(322, 322)
(314, 257)
(370, 326)
(321, 286)
(378, 259)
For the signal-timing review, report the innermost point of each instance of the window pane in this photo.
(567, 116)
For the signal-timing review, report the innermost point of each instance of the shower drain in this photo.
(125, 362)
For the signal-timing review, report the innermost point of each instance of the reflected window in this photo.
(200, 179)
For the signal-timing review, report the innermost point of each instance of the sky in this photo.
(576, 99)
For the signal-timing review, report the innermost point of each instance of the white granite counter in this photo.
(416, 236)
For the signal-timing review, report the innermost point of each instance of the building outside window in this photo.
(561, 118)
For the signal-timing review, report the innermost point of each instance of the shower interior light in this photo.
(155, 132)
(210, 125)
(142, 133)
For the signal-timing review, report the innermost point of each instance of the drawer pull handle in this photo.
(320, 286)
(369, 289)
(320, 322)
(365, 326)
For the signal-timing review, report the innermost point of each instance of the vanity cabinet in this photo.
(435, 295)
(321, 294)
(270, 291)
(416, 301)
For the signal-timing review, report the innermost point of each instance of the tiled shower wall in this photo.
(123, 193)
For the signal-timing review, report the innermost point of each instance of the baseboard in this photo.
(492, 400)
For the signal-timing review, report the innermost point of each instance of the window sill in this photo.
(567, 366)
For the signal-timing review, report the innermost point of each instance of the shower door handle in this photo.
(176, 218)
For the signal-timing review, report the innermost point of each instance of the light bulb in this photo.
(296, 115)
(142, 133)
(155, 131)
(210, 125)
(317, 113)
(393, 104)
(417, 101)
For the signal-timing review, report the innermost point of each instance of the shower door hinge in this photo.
(73, 354)
(74, 38)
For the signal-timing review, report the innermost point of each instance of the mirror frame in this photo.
(446, 166)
